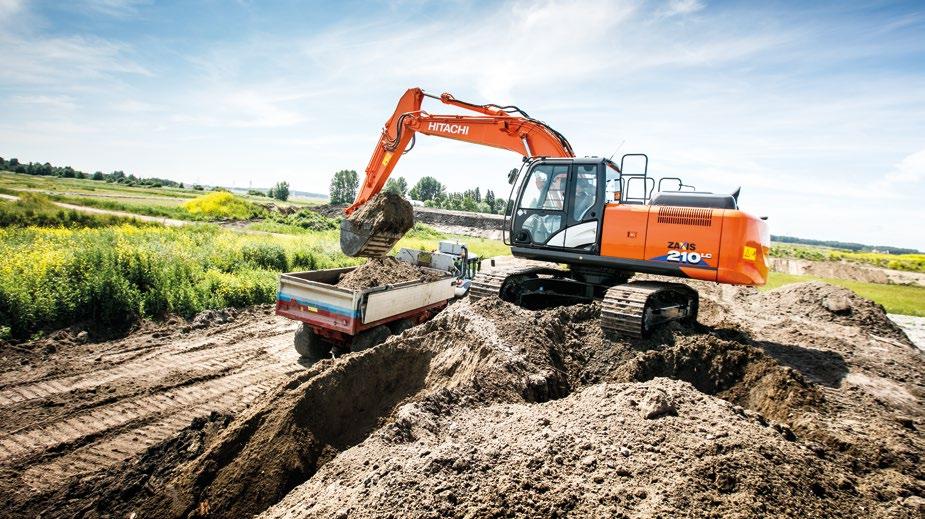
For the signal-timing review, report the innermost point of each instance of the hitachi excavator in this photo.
(594, 222)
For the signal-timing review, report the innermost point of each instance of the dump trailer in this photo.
(335, 320)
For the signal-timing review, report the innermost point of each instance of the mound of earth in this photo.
(600, 452)
(828, 303)
(384, 271)
(803, 401)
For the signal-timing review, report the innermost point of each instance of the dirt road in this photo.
(69, 409)
(171, 222)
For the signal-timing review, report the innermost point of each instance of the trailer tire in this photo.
(401, 325)
(310, 345)
(369, 338)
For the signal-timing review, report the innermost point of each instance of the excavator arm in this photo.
(505, 127)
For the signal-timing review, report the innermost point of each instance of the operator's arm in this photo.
(496, 128)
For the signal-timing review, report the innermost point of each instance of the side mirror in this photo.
(512, 176)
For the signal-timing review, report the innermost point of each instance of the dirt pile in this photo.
(593, 453)
(490, 407)
(823, 302)
(384, 271)
(384, 218)
(797, 402)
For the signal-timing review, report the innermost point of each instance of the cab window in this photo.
(545, 188)
(585, 191)
(614, 186)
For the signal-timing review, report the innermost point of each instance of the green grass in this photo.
(33, 209)
(53, 277)
(897, 299)
(909, 262)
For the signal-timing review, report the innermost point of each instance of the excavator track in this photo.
(634, 309)
(488, 282)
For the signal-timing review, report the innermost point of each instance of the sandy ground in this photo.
(803, 401)
(913, 326)
(70, 409)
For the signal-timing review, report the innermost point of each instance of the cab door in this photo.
(584, 210)
(540, 213)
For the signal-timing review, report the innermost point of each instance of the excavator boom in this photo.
(507, 128)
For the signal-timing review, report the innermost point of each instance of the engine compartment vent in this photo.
(685, 216)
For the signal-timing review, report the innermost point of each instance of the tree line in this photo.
(856, 247)
(428, 190)
(118, 176)
(279, 191)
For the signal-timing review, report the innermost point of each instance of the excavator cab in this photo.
(559, 205)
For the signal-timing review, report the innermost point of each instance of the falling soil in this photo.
(385, 212)
(385, 271)
(804, 401)
(384, 218)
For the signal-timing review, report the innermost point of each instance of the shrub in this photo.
(222, 204)
(53, 277)
(307, 219)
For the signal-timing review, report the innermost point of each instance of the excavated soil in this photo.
(384, 212)
(804, 401)
(384, 271)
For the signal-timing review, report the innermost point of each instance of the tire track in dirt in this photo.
(146, 348)
(158, 391)
(209, 359)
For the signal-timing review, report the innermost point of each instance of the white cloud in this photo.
(910, 169)
(681, 7)
(114, 8)
(56, 102)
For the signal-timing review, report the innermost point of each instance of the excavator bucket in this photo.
(376, 226)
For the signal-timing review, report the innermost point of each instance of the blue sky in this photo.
(816, 109)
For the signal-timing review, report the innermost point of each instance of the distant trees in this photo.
(397, 185)
(469, 200)
(280, 191)
(344, 186)
(256, 192)
(46, 169)
(428, 188)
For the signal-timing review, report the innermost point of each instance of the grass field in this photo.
(909, 262)
(897, 299)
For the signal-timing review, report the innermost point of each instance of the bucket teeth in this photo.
(357, 241)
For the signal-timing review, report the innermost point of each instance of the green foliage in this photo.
(222, 204)
(428, 188)
(280, 191)
(198, 187)
(36, 209)
(46, 169)
(306, 219)
(114, 275)
(256, 192)
(344, 186)
(398, 186)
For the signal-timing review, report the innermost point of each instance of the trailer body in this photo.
(339, 314)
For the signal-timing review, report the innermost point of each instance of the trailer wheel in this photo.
(401, 325)
(370, 338)
(310, 345)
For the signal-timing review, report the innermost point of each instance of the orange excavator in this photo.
(597, 223)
